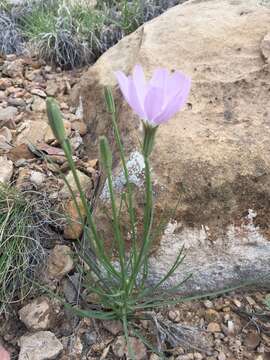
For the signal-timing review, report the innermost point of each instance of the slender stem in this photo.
(97, 241)
(130, 202)
(148, 219)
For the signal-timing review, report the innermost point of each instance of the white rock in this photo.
(6, 169)
(42, 345)
(37, 178)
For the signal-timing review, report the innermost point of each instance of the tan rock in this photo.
(80, 126)
(113, 326)
(214, 155)
(120, 348)
(6, 169)
(60, 261)
(85, 181)
(13, 68)
(213, 327)
(212, 315)
(32, 132)
(74, 227)
(38, 315)
(42, 345)
(49, 136)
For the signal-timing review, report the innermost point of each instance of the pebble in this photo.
(6, 169)
(120, 348)
(213, 327)
(60, 262)
(113, 326)
(39, 93)
(37, 178)
(8, 113)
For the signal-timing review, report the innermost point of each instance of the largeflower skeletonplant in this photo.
(156, 101)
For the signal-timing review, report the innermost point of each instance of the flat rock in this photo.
(42, 345)
(215, 154)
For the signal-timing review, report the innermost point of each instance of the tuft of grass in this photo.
(11, 41)
(71, 34)
(24, 222)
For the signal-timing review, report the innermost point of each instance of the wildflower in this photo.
(158, 100)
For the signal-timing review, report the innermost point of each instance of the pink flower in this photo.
(4, 355)
(159, 99)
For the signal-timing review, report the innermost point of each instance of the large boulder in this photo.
(215, 155)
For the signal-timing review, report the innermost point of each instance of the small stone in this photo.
(265, 47)
(49, 135)
(120, 348)
(52, 88)
(8, 113)
(37, 315)
(17, 102)
(5, 83)
(6, 169)
(237, 303)
(212, 315)
(154, 357)
(74, 227)
(37, 178)
(221, 356)
(113, 326)
(174, 315)
(250, 301)
(252, 340)
(42, 345)
(213, 327)
(85, 181)
(5, 138)
(231, 327)
(80, 126)
(208, 304)
(64, 106)
(60, 261)
(13, 69)
(39, 104)
(39, 93)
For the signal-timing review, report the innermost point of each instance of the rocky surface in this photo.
(214, 155)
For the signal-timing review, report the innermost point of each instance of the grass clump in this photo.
(71, 34)
(22, 227)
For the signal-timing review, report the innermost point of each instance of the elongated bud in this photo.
(56, 120)
(148, 139)
(109, 100)
(105, 153)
